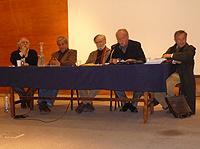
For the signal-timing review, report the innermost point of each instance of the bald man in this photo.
(127, 50)
(29, 57)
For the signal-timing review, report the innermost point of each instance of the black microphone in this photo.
(113, 48)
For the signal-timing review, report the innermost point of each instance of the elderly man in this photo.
(127, 50)
(28, 57)
(99, 56)
(182, 54)
(63, 57)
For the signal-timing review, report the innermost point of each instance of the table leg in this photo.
(12, 103)
(145, 112)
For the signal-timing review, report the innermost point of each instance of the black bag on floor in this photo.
(178, 106)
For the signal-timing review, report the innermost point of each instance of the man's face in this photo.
(181, 40)
(24, 43)
(100, 42)
(122, 39)
(62, 45)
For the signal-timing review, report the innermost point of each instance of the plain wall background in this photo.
(152, 22)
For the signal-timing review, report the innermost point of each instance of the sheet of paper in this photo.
(155, 61)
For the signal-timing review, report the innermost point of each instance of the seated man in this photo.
(127, 50)
(99, 56)
(28, 57)
(183, 55)
(63, 57)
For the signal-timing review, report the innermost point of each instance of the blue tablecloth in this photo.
(137, 77)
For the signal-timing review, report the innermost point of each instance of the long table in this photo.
(137, 77)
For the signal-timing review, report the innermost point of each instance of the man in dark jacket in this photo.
(183, 55)
(23, 53)
(128, 51)
(29, 58)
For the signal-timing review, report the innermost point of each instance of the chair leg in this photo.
(151, 109)
(32, 103)
(110, 100)
(116, 104)
(30, 92)
(12, 102)
(72, 95)
(77, 94)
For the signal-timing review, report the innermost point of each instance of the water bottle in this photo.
(6, 104)
(41, 60)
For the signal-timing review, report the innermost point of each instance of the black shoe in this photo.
(155, 102)
(80, 108)
(132, 108)
(23, 105)
(44, 107)
(28, 103)
(125, 107)
(89, 108)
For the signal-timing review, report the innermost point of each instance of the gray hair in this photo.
(99, 35)
(62, 39)
(122, 30)
(177, 33)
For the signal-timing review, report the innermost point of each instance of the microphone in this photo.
(113, 48)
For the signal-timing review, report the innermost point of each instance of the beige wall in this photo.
(152, 22)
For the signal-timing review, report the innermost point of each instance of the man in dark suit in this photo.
(27, 57)
(128, 51)
(182, 54)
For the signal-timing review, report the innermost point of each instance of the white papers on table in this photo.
(155, 61)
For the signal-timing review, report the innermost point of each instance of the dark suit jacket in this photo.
(31, 59)
(133, 51)
(68, 59)
(93, 56)
(185, 70)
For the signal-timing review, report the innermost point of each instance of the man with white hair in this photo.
(99, 56)
(29, 58)
(24, 53)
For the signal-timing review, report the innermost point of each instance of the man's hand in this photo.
(24, 51)
(54, 62)
(167, 56)
(114, 61)
(26, 64)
